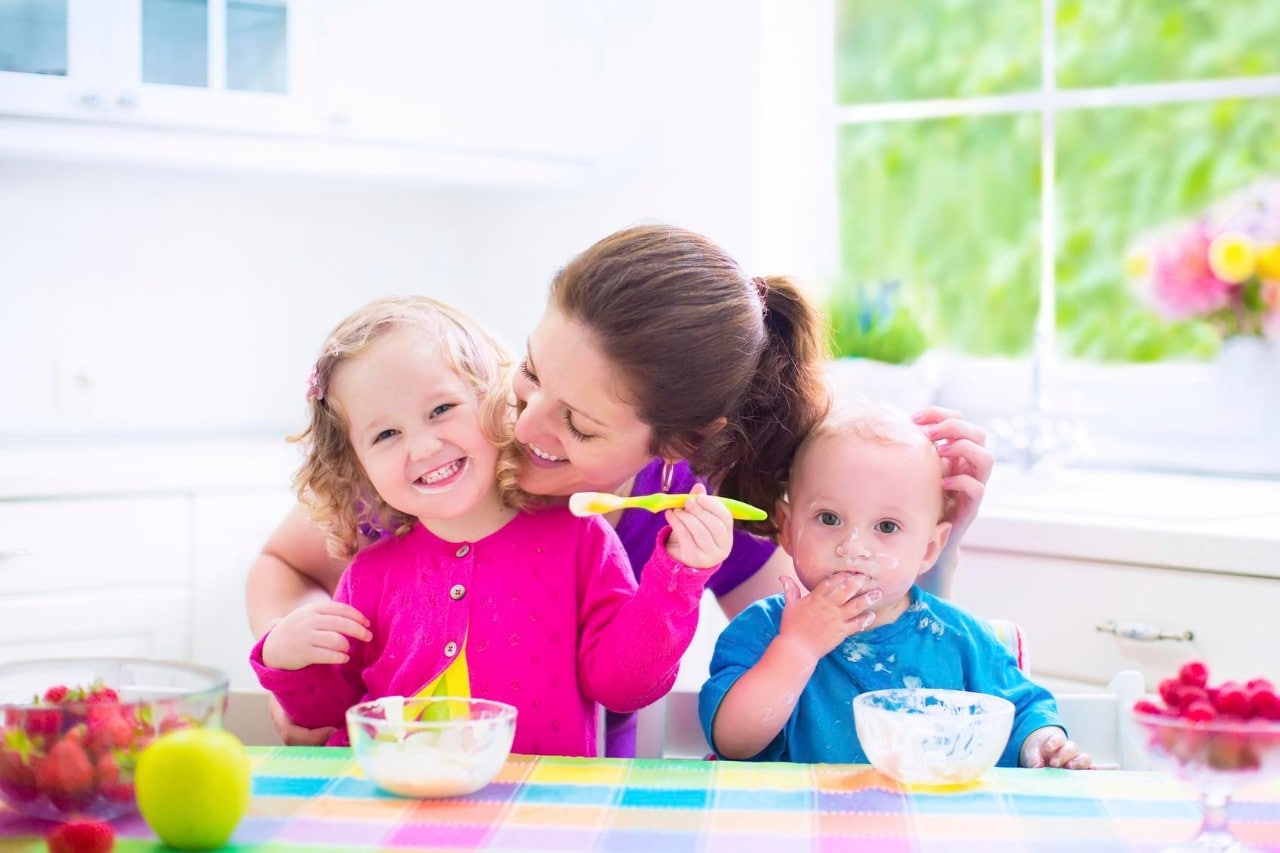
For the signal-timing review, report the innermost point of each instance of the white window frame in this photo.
(1227, 433)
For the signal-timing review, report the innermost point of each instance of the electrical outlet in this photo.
(75, 385)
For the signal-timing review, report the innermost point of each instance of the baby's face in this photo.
(858, 506)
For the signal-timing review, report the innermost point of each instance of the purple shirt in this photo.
(550, 613)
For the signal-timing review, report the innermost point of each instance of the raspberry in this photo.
(1232, 699)
(1260, 684)
(82, 836)
(1263, 701)
(1169, 690)
(1194, 674)
(1189, 695)
(1199, 711)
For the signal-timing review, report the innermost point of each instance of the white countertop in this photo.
(66, 468)
(1171, 520)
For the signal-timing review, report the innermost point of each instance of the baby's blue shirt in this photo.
(933, 644)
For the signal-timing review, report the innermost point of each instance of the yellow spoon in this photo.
(598, 503)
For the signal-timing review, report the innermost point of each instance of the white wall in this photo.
(144, 301)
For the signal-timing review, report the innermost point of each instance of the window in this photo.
(1000, 167)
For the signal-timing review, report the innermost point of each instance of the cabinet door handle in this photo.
(14, 553)
(1145, 633)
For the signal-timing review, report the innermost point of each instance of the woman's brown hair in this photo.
(725, 368)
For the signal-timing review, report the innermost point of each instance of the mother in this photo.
(657, 361)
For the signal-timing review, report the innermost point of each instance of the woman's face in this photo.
(577, 430)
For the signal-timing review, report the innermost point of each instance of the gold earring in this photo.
(668, 471)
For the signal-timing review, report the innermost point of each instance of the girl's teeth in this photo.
(441, 473)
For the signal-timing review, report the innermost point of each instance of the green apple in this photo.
(193, 787)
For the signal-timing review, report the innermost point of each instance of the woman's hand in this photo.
(701, 531)
(821, 620)
(966, 462)
(294, 735)
(315, 633)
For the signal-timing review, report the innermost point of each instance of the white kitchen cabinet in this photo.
(148, 622)
(95, 576)
(230, 530)
(218, 64)
(1061, 603)
(474, 75)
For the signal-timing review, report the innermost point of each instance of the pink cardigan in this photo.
(552, 618)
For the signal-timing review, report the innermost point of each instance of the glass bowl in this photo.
(74, 757)
(1216, 756)
(932, 737)
(434, 747)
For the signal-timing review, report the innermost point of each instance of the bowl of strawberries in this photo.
(72, 728)
(1215, 736)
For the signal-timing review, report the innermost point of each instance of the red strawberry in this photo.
(100, 695)
(55, 694)
(108, 770)
(121, 792)
(1194, 674)
(42, 721)
(16, 777)
(65, 771)
(82, 836)
(108, 729)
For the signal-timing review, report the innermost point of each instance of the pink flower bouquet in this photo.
(1223, 267)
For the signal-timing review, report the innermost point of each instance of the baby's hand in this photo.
(314, 633)
(821, 620)
(701, 531)
(1048, 747)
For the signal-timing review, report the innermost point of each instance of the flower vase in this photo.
(1248, 370)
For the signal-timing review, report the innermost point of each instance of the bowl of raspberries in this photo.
(1215, 736)
(72, 728)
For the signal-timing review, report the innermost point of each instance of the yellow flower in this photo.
(1269, 262)
(1232, 257)
(1137, 264)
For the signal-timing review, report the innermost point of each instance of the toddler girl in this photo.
(468, 594)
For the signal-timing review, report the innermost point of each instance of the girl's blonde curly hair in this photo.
(331, 481)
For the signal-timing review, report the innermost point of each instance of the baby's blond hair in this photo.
(331, 481)
(876, 423)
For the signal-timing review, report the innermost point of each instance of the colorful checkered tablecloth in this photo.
(316, 799)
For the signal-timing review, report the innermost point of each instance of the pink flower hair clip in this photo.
(314, 391)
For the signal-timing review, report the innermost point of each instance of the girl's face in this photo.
(577, 430)
(414, 425)
(857, 506)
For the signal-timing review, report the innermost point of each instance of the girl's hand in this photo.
(966, 461)
(314, 633)
(1048, 747)
(701, 531)
(821, 620)
(292, 734)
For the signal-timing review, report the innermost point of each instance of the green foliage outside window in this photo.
(951, 207)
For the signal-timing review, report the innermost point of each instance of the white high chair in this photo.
(1096, 721)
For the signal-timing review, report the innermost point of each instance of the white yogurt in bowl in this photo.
(431, 748)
